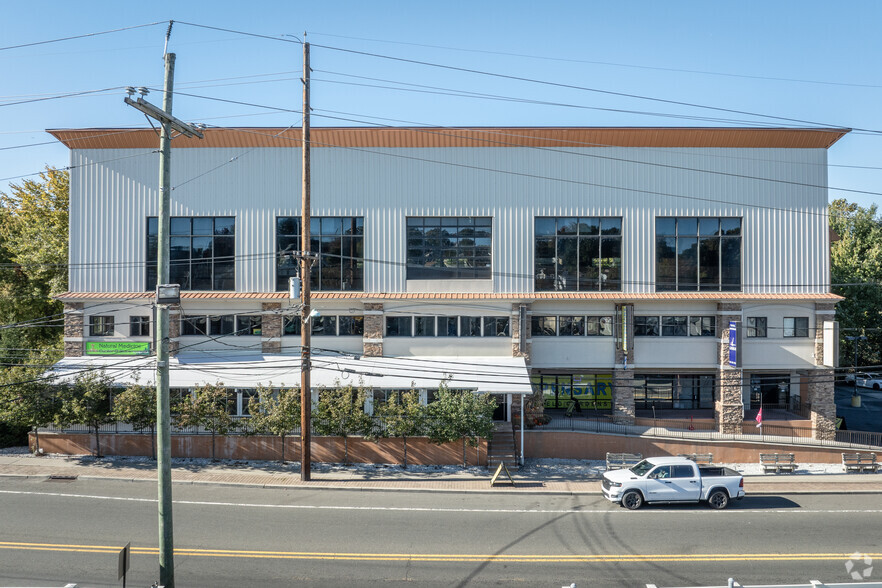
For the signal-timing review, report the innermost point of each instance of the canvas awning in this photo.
(492, 375)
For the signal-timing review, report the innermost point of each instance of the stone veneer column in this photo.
(271, 327)
(373, 329)
(73, 329)
(729, 407)
(820, 387)
(534, 404)
(174, 330)
(623, 409)
(516, 333)
(623, 397)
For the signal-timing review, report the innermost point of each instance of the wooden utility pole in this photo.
(305, 265)
(166, 294)
(163, 410)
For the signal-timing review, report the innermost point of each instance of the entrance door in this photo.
(501, 407)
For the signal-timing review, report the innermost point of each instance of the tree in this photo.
(340, 413)
(136, 405)
(403, 416)
(856, 260)
(460, 415)
(207, 408)
(87, 402)
(33, 254)
(27, 400)
(276, 412)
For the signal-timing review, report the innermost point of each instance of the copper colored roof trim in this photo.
(401, 137)
(368, 296)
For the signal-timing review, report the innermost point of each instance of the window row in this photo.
(245, 324)
(675, 326)
(447, 326)
(570, 253)
(794, 326)
(326, 325)
(571, 326)
(103, 326)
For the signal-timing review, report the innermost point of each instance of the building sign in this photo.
(117, 348)
(735, 344)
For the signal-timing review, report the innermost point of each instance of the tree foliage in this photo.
(27, 400)
(856, 271)
(207, 408)
(403, 416)
(136, 405)
(275, 412)
(33, 260)
(460, 415)
(86, 402)
(340, 413)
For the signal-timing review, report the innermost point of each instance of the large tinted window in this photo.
(339, 241)
(578, 253)
(697, 253)
(449, 247)
(202, 252)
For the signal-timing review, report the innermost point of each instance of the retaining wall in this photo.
(324, 449)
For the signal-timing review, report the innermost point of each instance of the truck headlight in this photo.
(614, 484)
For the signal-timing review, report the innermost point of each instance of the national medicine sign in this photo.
(117, 348)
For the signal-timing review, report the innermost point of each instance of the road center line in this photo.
(446, 557)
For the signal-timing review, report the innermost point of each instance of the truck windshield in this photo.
(642, 467)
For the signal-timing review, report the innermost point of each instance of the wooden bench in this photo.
(860, 462)
(779, 462)
(699, 458)
(620, 461)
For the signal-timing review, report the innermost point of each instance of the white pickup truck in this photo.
(672, 479)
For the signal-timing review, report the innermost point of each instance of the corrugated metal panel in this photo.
(553, 137)
(785, 242)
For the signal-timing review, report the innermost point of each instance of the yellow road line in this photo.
(441, 557)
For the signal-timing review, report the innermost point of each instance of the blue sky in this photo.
(813, 61)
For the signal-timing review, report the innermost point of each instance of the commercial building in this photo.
(604, 264)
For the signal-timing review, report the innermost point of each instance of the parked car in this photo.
(672, 479)
(869, 380)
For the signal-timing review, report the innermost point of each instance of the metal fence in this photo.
(681, 429)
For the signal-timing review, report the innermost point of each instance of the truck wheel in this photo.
(718, 499)
(632, 500)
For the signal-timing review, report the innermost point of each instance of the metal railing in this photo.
(680, 429)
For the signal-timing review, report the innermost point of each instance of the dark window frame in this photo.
(684, 250)
(558, 238)
(139, 326)
(797, 330)
(101, 325)
(449, 247)
(339, 241)
(753, 331)
(221, 269)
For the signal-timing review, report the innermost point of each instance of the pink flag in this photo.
(759, 418)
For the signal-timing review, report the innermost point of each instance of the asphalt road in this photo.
(52, 533)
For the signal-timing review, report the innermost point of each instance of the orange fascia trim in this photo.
(401, 137)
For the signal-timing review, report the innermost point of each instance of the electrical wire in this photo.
(32, 44)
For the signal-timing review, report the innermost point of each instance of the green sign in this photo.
(117, 348)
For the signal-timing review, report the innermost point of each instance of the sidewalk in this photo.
(274, 475)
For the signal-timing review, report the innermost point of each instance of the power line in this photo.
(584, 88)
(607, 63)
(82, 36)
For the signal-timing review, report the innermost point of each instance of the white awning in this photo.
(496, 375)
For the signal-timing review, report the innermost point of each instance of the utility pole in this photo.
(305, 264)
(166, 294)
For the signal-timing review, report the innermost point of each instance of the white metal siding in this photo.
(785, 239)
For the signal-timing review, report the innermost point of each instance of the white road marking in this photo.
(701, 511)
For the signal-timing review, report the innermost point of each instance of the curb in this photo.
(332, 486)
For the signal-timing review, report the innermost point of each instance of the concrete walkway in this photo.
(274, 475)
